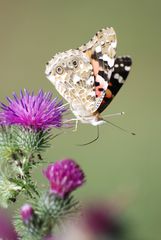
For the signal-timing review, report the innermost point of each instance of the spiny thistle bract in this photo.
(25, 132)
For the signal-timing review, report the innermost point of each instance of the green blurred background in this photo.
(118, 165)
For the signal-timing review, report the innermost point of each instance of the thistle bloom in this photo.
(37, 111)
(26, 212)
(64, 176)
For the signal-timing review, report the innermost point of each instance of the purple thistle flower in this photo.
(26, 212)
(38, 111)
(64, 176)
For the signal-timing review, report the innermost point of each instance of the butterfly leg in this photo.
(76, 125)
(70, 120)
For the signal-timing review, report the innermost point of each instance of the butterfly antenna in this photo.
(122, 129)
(94, 140)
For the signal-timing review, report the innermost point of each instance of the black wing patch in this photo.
(122, 68)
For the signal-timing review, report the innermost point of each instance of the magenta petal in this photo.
(64, 176)
(38, 111)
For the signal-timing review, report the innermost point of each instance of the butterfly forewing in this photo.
(101, 51)
(119, 75)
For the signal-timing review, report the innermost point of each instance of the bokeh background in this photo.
(118, 165)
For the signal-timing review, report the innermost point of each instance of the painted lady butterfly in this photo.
(90, 76)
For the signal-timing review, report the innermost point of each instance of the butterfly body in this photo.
(85, 76)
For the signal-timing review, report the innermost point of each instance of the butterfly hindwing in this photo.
(71, 73)
(121, 70)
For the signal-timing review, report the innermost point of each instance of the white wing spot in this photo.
(127, 68)
(120, 80)
(93, 94)
(116, 76)
(111, 61)
(98, 49)
(113, 44)
(76, 79)
(105, 57)
(90, 81)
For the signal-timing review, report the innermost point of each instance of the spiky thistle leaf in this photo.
(7, 190)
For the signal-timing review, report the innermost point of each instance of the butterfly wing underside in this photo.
(101, 51)
(119, 75)
(84, 86)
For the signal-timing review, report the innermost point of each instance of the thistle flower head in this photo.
(37, 111)
(26, 212)
(64, 176)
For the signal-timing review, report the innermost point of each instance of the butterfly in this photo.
(90, 76)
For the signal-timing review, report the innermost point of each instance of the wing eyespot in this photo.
(59, 70)
(75, 63)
